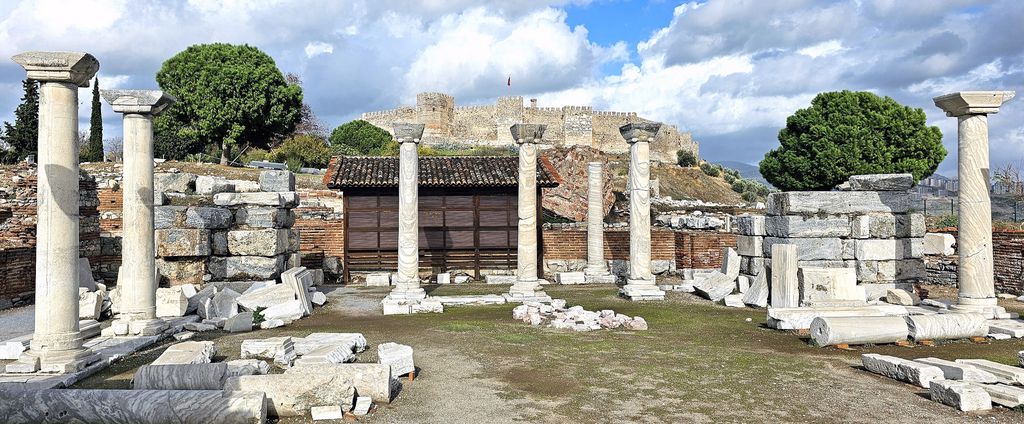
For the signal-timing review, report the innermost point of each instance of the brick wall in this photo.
(17, 265)
(689, 249)
(1008, 261)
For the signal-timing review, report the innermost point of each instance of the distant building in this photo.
(489, 124)
(937, 186)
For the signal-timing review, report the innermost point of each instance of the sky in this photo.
(728, 71)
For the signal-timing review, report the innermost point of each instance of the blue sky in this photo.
(729, 71)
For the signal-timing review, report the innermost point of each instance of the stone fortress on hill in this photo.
(488, 124)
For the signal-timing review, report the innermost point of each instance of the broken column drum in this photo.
(641, 284)
(408, 281)
(56, 343)
(527, 284)
(974, 238)
(138, 276)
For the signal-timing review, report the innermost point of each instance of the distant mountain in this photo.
(748, 171)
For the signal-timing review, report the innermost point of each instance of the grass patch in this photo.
(459, 327)
(515, 338)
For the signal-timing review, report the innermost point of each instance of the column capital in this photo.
(972, 102)
(72, 67)
(595, 166)
(640, 131)
(528, 133)
(407, 132)
(145, 102)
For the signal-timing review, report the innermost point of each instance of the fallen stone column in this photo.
(180, 377)
(1006, 374)
(858, 330)
(955, 371)
(915, 373)
(132, 406)
(946, 326)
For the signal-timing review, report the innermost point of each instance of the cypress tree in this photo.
(22, 138)
(94, 150)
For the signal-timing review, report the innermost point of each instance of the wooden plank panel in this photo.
(362, 219)
(460, 239)
(459, 217)
(493, 239)
(493, 202)
(459, 202)
(495, 218)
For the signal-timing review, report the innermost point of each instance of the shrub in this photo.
(710, 169)
(253, 154)
(302, 150)
(948, 221)
(686, 158)
(848, 133)
(729, 178)
(362, 137)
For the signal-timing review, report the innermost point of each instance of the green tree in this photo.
(848, 133)
(228, 96)
(362, 138)
(93, 151)
(304, 150)
(686, 158)
(22, 138)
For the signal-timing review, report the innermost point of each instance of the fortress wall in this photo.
(509, 111)
(578, 125)
(386, 118)
(550, 116)
(606, 130)
(474, 123)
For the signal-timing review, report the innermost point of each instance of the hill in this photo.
(748, 171)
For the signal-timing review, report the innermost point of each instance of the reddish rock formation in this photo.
(569, 199)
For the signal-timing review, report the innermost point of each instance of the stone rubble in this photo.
(556, 315)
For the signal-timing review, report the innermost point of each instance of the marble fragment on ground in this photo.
(946, 326)
(133, 406)
(829, 331)
(398, 357)
(957, 371)
(290, 395)
(961, 395)
(903, 370)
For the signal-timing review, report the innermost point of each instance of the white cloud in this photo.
(826, 48)
(317, 48)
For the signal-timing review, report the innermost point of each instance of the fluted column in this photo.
(138, 266)
(408, 280)
(597, 268)
(641, 284)
(527, 284)
(56, 343)
(976, 280)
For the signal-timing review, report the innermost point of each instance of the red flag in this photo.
(509, 80)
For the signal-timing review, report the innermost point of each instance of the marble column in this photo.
(56, 342)
(597, 268)
(641, 284)
(138, 266)
(527, 284)
(407, 286)
(976, 280)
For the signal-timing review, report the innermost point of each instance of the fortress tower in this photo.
(508, 111)
(435, 111)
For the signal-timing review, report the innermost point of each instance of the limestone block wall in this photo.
(875, 232)
(227, 237)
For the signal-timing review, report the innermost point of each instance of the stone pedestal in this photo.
(974, 239)
(138, 264)
(407, 283)
(56, 342)
(597, 268)
(527, 284)
(641, 284)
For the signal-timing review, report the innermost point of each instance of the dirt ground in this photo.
(698, 362)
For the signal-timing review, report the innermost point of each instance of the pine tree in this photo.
(22, 138)
(93, 151)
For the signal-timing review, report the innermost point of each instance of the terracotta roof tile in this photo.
(435, 171)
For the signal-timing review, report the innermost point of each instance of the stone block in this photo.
(904, 370)
(11, 349)
(750, 225)
(171, 302)
(324, 413)
(207, 376)
(378, 279)
(175, 242)
(397, 356)
(318, 298)
(178, 271)
(281, 350)
(90, 305)
(362, 407)
(837, 202)
(954, 371)
(169, 217)
(313, 341)
(219, 243)
(1010, 327)
(734, 301)
(245, 186)
(807, 226)
(391, 306)
(239, 367)
(1001, 394)
(300, 280)
(190, 352)
(827, 284)
(961, 395)
(939, 244)
(799, 318)
(947, 326)
(882, 182)
(881, 226)
(751, 246)
(444, 278)
(85, 279)
(177, 182)
(266, 297)
(208, 218)
(264, 217)
(910, 225)
(752, 266)
(785, 285)
(246, 267)
(280, 200)
(886, 250)
(757, 294)
(715, 286)
(1006, 374)
(239, 323)
(902, 297)
(333, 353)
(810, 249)
(287, 311)
(277, 181)
(292, 395)
(570, 278)
(208, 186)
(828, 331)
(265, 242)
(373, 380)
(224, 304)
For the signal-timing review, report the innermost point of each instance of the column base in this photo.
(138, 327)
(600, 279)
(537, 296)
(410, 294)
(401, 306)
(989, 311)
(526, 289)
(641, 290)
(56, 362)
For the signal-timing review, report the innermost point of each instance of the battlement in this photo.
(434, 97)
(578, 109)
(383, 113)
(546, 109)
(478, 108)
(615, 114)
